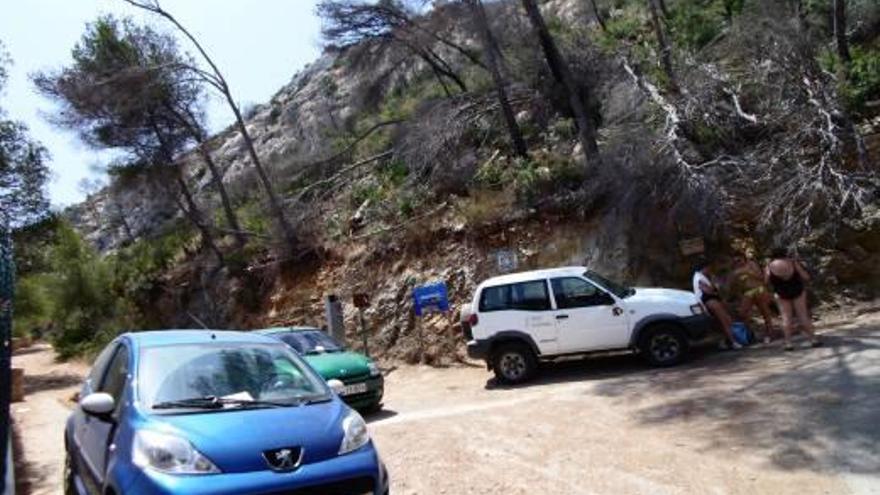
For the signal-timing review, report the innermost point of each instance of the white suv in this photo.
(516, 320)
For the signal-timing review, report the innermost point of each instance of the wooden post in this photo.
(364, 332)
(17, 385)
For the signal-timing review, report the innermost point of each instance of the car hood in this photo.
(236, 439)
(339, 365)
(663, 295)
(662, 300)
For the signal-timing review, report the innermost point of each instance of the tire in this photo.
(372, 408)
(663, 344)
(514, 363)
(69, 485)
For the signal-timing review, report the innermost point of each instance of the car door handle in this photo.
(617, 311)
(561, 317)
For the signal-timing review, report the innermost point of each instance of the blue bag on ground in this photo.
(741, 333)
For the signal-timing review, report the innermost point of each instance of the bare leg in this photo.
(763, 303)
(745, 308)
(803, 316)
(720, 312)
(787, 309)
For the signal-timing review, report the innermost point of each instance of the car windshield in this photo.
(225, 374)
(617, 289)
(311, 341)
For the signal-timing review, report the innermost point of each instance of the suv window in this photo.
(524, 296)
(117, 373)
(572, 292)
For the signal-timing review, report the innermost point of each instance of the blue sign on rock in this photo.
(431, 297)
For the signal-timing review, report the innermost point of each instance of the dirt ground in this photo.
(755, 421)
(39, 420)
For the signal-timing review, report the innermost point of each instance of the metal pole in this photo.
(7, 282)
(364, 332)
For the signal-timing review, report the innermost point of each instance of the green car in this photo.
(364, 384)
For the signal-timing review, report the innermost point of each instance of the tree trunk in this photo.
(801, 13)
(562, 73)
(124, 221)
(436, 62)
(840, 31)
(190, 122)
(598, 15)
(489, 47)
(219, 82)
(231, 218)
(192, 212)
(274, 204)
(663, 8)
(663, 45)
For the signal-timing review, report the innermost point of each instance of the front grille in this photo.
(348, 380)
(354, 486)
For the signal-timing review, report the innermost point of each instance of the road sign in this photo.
(507, 260)
(430, 298)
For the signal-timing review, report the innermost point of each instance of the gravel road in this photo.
(756, 421)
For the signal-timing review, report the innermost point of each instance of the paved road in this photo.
(759, 421)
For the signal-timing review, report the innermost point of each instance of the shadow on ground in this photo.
(51, 381)
(813, 409)
(379, 415)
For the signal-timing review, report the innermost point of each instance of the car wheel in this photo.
(372, 408)
(514, 363)
(664, 345)
(69, 485)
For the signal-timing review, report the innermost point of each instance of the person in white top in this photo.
(707, 293)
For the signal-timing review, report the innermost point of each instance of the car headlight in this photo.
(356, 435)
(374, 369)
(697, 309)
(169, 454)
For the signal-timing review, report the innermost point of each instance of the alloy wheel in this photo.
(664, 347)
(513, 365)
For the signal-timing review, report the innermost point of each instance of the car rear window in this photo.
(524, 296)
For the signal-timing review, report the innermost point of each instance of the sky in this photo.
(258, 45)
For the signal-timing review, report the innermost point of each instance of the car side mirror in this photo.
(336, 386)
(98, 404)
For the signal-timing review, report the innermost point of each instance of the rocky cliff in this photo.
(445, 200)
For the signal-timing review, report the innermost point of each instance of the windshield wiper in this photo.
(213, 402)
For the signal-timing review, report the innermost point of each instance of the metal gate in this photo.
(7, 287)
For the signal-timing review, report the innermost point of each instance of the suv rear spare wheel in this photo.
(514, 363)
(663, 344)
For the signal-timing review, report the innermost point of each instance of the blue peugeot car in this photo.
(207, 412)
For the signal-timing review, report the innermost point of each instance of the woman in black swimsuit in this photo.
(788, 279)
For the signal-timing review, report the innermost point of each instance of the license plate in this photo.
(356, 388)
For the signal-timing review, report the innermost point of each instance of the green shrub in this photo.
(542, 173)
(366, 191)
(863, 79)
(694, 24)
(85, 308)
(32, 305)
(137, 268)
(253, 218)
